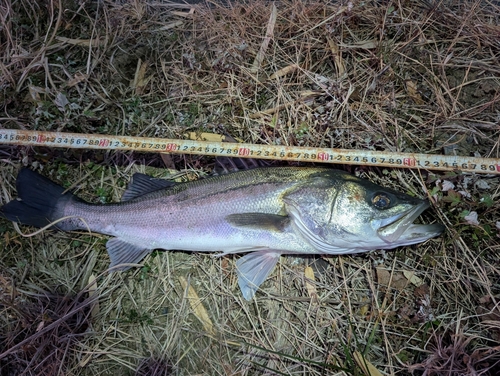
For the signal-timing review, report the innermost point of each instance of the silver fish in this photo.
(264, 212)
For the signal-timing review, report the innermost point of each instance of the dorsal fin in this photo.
(225, 165)
(142, 184)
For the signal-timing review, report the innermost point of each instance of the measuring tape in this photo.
(244, 150)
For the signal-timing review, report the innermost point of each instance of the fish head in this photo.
(337, 212)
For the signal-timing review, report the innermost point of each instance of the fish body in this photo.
(264, 212)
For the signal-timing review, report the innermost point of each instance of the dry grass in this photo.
(412, 76)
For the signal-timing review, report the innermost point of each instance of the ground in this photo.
(395, 76)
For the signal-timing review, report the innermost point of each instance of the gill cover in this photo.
(354, 214)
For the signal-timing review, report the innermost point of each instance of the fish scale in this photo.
(263, 212)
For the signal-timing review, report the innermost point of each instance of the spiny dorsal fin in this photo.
(258, 221)
(225, 165)
(142, 184)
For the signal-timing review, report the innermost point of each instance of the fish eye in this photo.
(381, 201)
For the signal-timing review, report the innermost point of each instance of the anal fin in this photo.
(254, 268)
(121, 252)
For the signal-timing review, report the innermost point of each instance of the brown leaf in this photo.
(197, 306)
(368, 368)
(395, 280)
(205, 136)
(421, 291)
(411, 89)
(490, 317)
(79, 77)
(284, 71)
(140, 79)
(265, 43)
(82, 42)
(167, 161)
(311, 288)
(414, 280)
(337, 56)
(92, 292)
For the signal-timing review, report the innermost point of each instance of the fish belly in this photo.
(197, 224)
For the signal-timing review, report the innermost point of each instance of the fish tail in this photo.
(39, 203)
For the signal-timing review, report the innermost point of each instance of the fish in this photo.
(262, 212)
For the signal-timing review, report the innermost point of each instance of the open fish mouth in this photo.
(400, 228)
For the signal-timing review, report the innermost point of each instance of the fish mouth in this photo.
(400, 228)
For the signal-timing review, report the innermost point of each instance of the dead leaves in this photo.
(265, 43)
(411, 89)
(489, 312)
(368, 368)
(398, 280)
(140, 80)
(395, 280)
(310, 286)
(197, 306)
(420, 309)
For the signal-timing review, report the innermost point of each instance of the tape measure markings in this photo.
(245, 150)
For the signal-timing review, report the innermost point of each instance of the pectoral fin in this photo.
(259, 221)
(121, 252)
(254, 268)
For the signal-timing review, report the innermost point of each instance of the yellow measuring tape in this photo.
(244, 150)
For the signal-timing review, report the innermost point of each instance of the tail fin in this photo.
(39, 200)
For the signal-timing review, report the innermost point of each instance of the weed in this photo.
(406, 76)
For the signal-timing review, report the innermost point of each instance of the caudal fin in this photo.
(39, 200)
